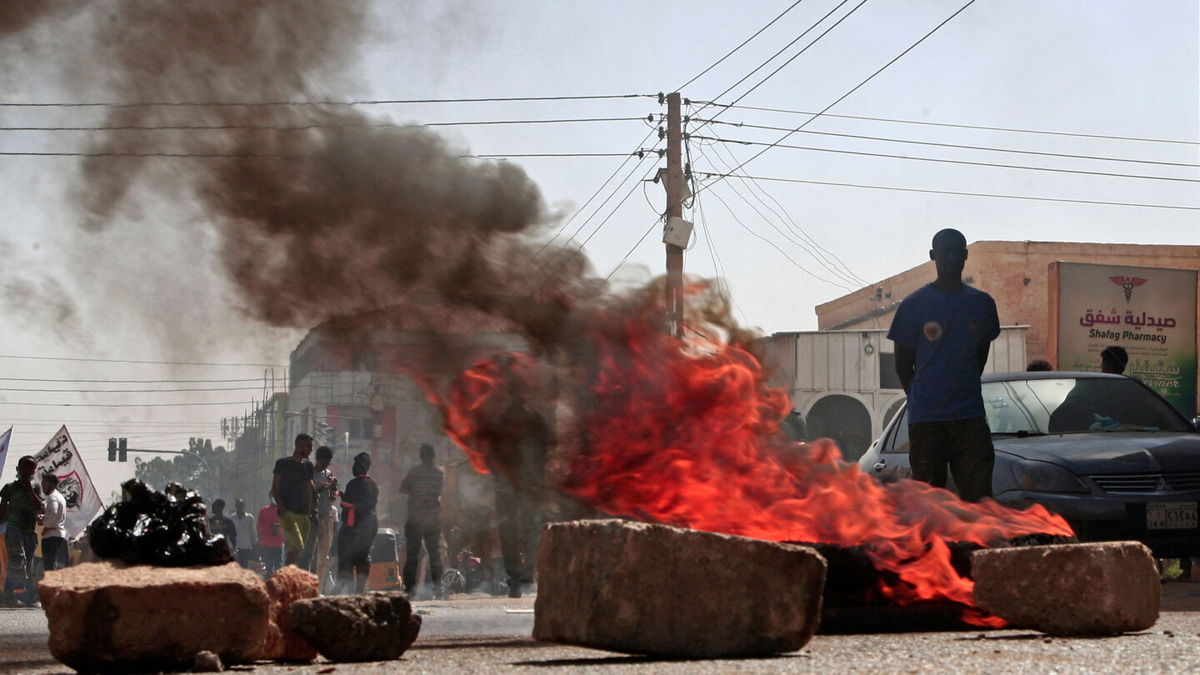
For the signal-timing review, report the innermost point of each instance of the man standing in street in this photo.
(327, 493)
(219, 523)
(270, 536)
(293, 490)
(943, 333)
(424, 488)
(19, 508)
(243, 525)
(54, 525)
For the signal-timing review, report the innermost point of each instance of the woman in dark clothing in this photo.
(359, 526)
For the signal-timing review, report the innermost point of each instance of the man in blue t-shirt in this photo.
(943, 333)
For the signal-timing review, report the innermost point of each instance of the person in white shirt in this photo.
(247, 535)
(327, 492)
(54, 525)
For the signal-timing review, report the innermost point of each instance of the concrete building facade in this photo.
(1013, 272)
(843, 384)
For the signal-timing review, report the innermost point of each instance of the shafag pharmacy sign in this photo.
(1150, 311)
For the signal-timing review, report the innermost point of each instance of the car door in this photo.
(892, 462)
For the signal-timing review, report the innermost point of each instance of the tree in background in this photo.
(199, 467)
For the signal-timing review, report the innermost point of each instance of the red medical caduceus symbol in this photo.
(1127, 284)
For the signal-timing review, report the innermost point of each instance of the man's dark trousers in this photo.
(963, 445)
(22, 545)
(416, 532)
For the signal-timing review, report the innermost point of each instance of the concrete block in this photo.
(285, 587)
(109, 616)
(367, 627)
(639, 588)
(1070, 589)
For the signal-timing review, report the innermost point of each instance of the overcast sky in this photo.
(1087, 71)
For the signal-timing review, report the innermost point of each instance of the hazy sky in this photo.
(151, 289)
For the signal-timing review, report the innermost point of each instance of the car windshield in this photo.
(1076, 405)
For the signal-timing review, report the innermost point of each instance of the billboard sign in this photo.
(1149, 311)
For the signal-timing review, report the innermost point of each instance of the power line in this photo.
(59, 422)
(615, 208)
(128, 391)
(948, 124)
(844, 273)
(124, 405)
(951, 192)
(856, 87)
(273, 155)
(633, 248)
(743, 44)
(568, 221)
(315, 125)
(161, 363)
(795, 56)
(327, 102)
(940, 160)
(744, 125)
(722, 277)
(107, 381)
(776, 247)
(782, 50)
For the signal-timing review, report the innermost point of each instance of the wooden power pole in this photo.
(675, 196)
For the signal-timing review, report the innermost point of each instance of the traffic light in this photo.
(112, 449)
(121, 448)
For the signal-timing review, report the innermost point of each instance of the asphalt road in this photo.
(489, 635)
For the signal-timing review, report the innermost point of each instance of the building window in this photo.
(888, 379)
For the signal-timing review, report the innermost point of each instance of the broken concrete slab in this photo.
(109, 616)
(1070, 589)
(370, 627)
(285, 587)
(640, 588)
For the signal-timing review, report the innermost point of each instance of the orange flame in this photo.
(687, 433)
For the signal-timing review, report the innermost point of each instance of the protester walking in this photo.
(359, 527)
(270, 537)
(293, 490)
(423, 485)
(54, 525)
(943, 333)
(20, 505)
(327, 493)
(219, 523)
(243, 525)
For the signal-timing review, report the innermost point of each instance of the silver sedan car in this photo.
(1104, 451)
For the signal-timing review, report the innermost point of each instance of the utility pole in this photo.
(675, 196)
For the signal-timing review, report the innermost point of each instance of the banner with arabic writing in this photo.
(1149, 311)
(62, 458)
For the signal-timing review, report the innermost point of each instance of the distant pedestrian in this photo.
(20, 505)
(219, 523)
(243, 524)
(54, 525)
(270, 537)
(327, 494)
(359, 527)
(423, 485)
(1039, 366)
(1113, 360)
(943, 333)
(293, 490)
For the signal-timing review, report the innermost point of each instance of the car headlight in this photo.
(1046, 477)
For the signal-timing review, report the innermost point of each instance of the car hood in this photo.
(1108, 452)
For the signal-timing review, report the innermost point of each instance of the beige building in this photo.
(1013, 272)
